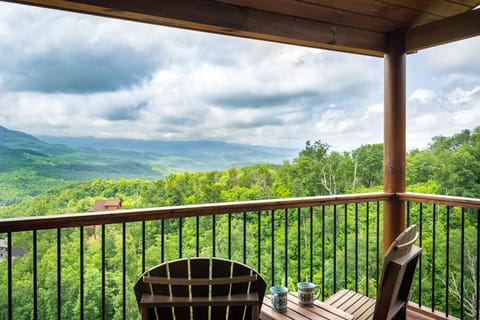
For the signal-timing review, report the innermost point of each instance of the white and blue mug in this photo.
(306, 293)
(279, 298)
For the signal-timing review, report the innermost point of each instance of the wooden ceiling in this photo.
(357, 26)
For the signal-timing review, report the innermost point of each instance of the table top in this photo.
(318, 311)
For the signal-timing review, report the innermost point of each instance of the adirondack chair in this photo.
(193, 288)
(399, 266)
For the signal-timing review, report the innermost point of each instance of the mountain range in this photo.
(29, 165)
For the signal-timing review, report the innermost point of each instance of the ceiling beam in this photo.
(459, 27)
(222, 18)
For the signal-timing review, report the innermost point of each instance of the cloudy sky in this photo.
(66, 74)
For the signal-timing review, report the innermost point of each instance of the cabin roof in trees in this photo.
(16, 251)
(104, 205)
(357, 26)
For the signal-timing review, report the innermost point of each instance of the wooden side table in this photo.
(295, 311)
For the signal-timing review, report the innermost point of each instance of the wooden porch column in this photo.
(394, 135)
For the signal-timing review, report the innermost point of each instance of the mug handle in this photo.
(318, 294)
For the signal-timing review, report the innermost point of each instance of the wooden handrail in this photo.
(174, 212)
(438, 199)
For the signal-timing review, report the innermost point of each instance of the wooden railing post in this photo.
(394, 135)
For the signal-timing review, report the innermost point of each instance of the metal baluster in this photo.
(323, 252)
(356, 247)
(244, 237)
(299, 243)
(143, 246)
(462, 271)
(377, 276)
(81, 272)
(124, 270)
(478, 264)
(447, 261)
(311, 244)
(180, 237)
(9, 275)
(367, 209)
(104, 310)
(162, 242)
(259, 241)
(286, 247)
(197, 236)
(408, 213)
(229, 236)
(420, 259)
(59, 273)
(434, 213)
(35, 275)
(345, 253)
(273, 246)
(334, 248)
(214, 220)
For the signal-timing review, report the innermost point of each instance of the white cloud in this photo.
(79, 75)
(447, 113)
(423, 96)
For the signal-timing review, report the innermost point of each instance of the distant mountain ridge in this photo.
(29, 165)
(164, 147)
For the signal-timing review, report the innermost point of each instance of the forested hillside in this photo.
(450, 166)
(29, 166)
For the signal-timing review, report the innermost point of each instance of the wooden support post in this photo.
(394, 135)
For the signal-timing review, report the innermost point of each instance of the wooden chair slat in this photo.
(200, 268)
(220, 269)
(179, 269)
(152, 313)
(239, 312)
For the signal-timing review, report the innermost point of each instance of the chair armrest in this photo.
(408, 243)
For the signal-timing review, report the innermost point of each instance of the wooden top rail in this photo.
(173, 212)
(442, 200)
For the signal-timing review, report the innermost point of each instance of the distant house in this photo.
(16, 251)
(105, 205)
(102, 205)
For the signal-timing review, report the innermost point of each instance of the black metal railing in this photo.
(447, 277)
(335, 241)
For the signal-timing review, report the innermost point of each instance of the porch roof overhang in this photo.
(383, 28)
(355, 26)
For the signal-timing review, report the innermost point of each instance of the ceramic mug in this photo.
(279, 298)
(306, 293)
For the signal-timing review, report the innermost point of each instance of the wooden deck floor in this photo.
(415, 313)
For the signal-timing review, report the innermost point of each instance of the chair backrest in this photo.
(193, 288)
(399, 266)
